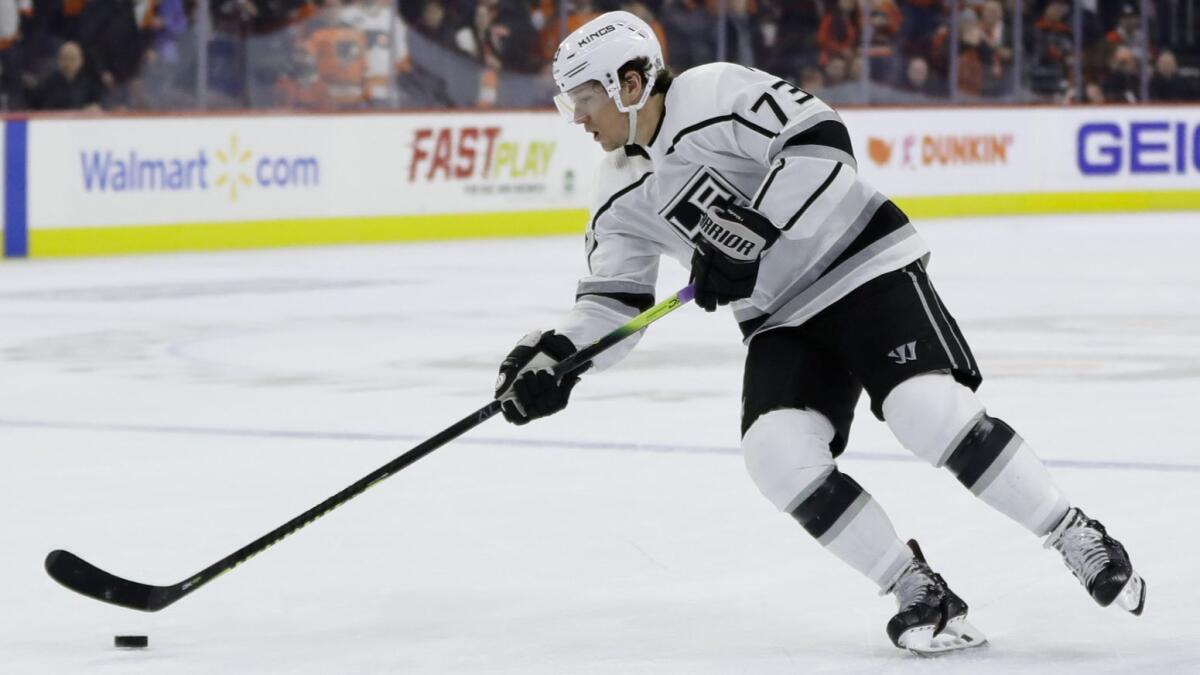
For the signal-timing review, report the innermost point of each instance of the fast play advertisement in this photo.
(139, 171)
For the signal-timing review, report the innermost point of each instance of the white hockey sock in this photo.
(850, 524)
(1000, 468)
(943, 422)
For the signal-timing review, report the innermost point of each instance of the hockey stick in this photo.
(82, 577)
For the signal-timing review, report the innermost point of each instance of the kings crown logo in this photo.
(705, 189)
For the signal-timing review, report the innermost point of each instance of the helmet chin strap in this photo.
(632, 126)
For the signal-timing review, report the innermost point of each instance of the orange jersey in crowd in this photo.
(143, 10)
(894, 18)
(341, 61)
(1051, 26)
(830, 43)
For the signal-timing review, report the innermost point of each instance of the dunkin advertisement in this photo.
(987, 151)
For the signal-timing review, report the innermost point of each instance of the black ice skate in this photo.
(1098, 561)
(932, 619)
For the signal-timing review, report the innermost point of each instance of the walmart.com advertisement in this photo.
(148, 171)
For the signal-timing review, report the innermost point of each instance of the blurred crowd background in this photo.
(364, 54)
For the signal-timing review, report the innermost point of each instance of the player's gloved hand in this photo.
(527, 388)
(731, 244)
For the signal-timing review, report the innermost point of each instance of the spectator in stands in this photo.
(839, 88)
(975, 56)
(884, 36)
(995, 35)
(742, 37)
(265, 16)
(1122, 84)
(991, 22)
(511, 38)
(386, 48)
(916, 78)
(41, 34)
(501, 36)
(112, 43)
(1128, 32)
(691, 32)
(1052, 32)
(836, 70)
(1053, 45)
(837, 36)
(70, 86)
(166, 77)
(436, 22)
(167, 23)
(812, 79)
(790, 41)
(10, 20)
(11, 14)
(854, 72)
(920, 18)
(1166, 84)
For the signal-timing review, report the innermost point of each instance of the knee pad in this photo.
(787, 454)
(930, 414)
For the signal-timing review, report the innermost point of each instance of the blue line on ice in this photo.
(1168, 467)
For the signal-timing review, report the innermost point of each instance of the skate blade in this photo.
(1132, 597)
(958, 634)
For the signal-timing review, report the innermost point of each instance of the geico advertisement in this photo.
(1162, 145)
(222, 169)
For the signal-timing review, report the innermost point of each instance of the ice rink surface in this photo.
(157, 413)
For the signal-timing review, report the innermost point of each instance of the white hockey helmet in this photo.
(597, 50)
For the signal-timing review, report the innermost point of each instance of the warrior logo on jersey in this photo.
(704, 189)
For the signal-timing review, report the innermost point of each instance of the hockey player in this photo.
(753, 184)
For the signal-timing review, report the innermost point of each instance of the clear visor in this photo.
(582, 101)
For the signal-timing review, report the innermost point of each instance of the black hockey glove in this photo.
(731, 244)
(526, 388)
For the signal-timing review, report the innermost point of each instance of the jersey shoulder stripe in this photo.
(828, 133)
(731, 117)
(710, 95)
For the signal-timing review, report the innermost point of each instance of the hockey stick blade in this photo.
(85, 578)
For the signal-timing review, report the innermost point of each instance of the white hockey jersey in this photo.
(734, 133)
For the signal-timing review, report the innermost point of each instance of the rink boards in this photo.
(130, 184)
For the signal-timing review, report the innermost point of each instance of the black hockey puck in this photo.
(131, 641)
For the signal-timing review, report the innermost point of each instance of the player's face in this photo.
(589, 105)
